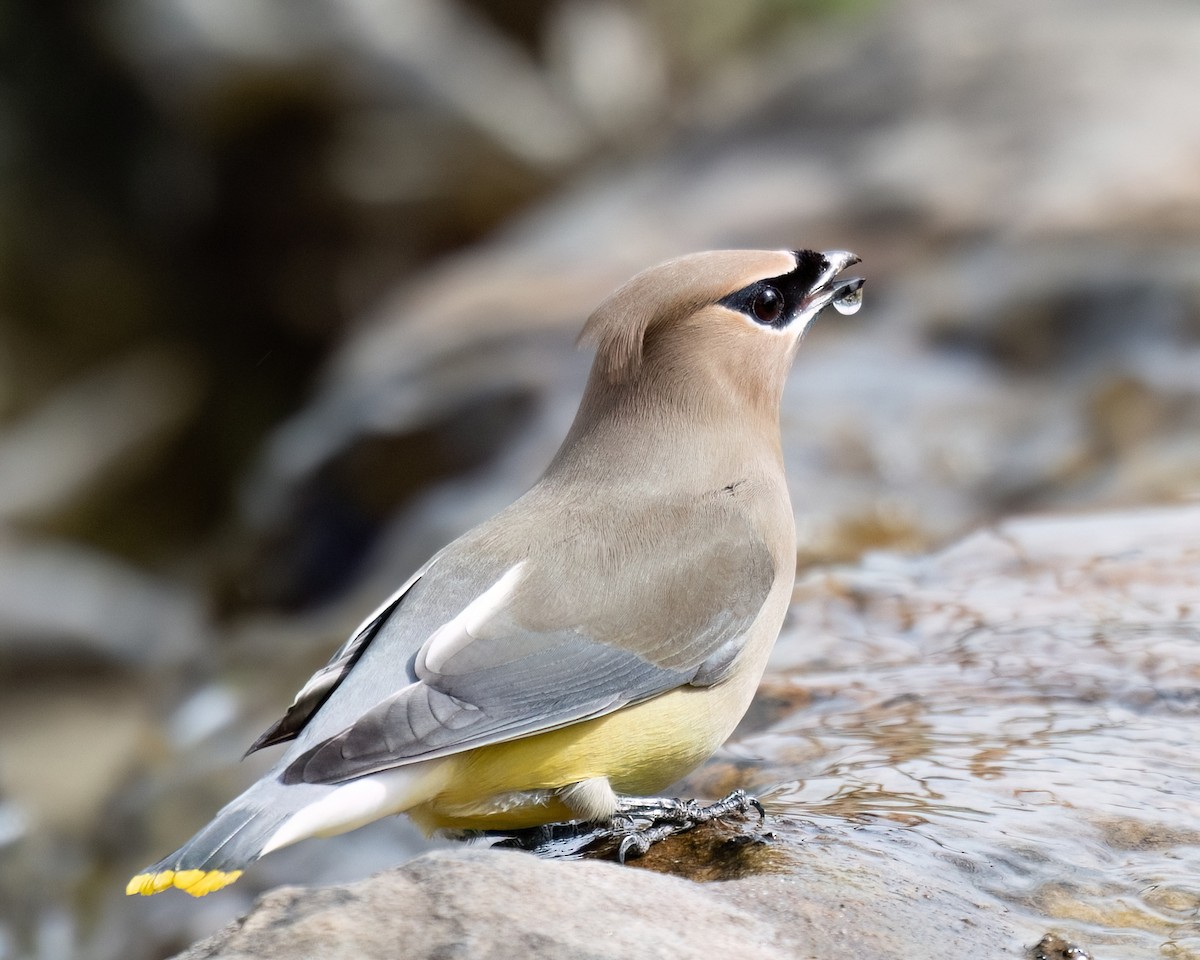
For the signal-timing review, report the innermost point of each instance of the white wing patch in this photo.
(453, 637)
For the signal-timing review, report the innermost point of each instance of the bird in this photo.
(599, 638)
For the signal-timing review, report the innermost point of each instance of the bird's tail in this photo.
(271, 815)
(216, 856)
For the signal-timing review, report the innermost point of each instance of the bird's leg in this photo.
(670, 809)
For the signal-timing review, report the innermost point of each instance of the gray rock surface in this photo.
(489, 905)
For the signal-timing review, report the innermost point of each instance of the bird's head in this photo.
(726, 321)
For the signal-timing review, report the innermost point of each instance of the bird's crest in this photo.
(657, 297)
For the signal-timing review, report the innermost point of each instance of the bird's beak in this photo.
(845, 294)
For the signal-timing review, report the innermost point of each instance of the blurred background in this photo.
(288, 298)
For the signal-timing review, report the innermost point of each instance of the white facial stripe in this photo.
(792, 330)
(450, 638)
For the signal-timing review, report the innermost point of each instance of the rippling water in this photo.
(1021, 714)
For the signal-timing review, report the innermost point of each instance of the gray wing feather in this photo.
(560, 650)
(573, 678)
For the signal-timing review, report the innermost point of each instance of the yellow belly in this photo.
(639, 749)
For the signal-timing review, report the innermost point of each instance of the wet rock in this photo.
(1054, 947)
(1018, 701)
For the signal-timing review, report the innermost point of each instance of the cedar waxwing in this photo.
(600, 637)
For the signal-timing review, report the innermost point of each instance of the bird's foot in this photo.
(647, 820)
(637, 824)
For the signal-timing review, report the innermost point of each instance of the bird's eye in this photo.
(767, 305)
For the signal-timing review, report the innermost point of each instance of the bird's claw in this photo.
(737, 802)
(632, 843)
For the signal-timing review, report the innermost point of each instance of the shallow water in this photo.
(1020, 713)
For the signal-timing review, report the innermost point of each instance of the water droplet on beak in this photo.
(849, 300)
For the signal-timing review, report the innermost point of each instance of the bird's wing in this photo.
(321, 684)
(545, 641)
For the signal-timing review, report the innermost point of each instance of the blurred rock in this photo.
(65, 748)
(965, 390)
(496, 87)
(61, 599)
(14, 822)
(92, 433)
(614, 70)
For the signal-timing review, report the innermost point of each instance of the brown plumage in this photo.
(601, 636)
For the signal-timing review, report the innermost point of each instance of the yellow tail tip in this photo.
(196, 882)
